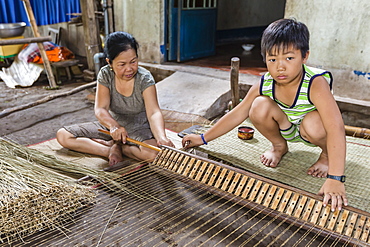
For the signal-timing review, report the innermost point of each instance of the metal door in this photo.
(192, 29)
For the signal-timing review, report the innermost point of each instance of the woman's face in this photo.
(125, 65)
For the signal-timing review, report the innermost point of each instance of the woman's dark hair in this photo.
(285, 32)
(118, 42)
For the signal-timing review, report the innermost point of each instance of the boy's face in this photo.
(285, 64)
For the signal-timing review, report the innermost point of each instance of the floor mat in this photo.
(245, 154)
(292, 168)
(52, 147)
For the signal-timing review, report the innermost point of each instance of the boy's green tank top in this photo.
(302, 103)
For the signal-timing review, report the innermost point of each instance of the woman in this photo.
(126, 105)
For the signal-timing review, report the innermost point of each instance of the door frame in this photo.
(175, 29)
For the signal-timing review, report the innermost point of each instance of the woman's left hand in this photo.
(166, 142)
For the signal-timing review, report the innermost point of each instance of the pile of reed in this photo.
(32, 197)
(39, 191)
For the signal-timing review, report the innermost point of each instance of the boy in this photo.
(292, 102)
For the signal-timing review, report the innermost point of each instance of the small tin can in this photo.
(245, 132)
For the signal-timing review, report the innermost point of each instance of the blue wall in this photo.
(45, 11)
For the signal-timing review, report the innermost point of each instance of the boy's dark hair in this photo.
(285, 32)
(118, 42)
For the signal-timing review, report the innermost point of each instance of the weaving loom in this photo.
(199, 202)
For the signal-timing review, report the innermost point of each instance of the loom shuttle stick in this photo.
(134, 141)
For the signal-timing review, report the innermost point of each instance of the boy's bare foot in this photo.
(115, 154)
(272, 157)
(320, 168)
(105, 143)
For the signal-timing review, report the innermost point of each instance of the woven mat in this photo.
(52, 147)
(245, 154)
(292, 169)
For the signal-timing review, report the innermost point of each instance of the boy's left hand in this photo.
(334, 191)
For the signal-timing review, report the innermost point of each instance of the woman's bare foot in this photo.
(118, 166)
(272, 157)
(115, 154)
(104, 142)
(320, 168)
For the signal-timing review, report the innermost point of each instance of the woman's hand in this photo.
(119, 134)
(334, 191)
(192, 140)
(165, 141)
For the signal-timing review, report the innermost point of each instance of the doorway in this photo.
(238, 22)
(192, 29)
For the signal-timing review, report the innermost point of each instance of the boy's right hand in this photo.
(191, 140)
(334, 192)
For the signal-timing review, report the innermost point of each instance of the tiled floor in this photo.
(250, 62)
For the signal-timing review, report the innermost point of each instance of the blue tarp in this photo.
(45, 11)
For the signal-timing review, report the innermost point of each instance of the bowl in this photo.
(247, 47)
(8, 30)
(245, 132)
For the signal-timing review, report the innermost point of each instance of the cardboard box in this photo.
(10, 50)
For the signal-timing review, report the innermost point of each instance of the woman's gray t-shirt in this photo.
(128, 111)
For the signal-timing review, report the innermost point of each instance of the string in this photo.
(176, 194)
(219, 222)
(230, 224)
(277, 237)
(105, 227)
(179, 215)
(171, 198)
(102, 208)
(189, 216)
(255, 234)
(184, 219)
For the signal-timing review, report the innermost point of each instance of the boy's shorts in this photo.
(292, 134)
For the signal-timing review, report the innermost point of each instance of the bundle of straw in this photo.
(33, 198)
(39, 191)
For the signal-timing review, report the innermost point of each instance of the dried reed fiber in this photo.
(34, 195)
(70, 169)
(33, 198)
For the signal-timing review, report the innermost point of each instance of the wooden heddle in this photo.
(199, 202)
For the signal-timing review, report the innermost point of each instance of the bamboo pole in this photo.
(91, 32)
(110, 15)
(357, 132)
(135, 141)
(24, 41)
(234, 81)
(31, 19)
